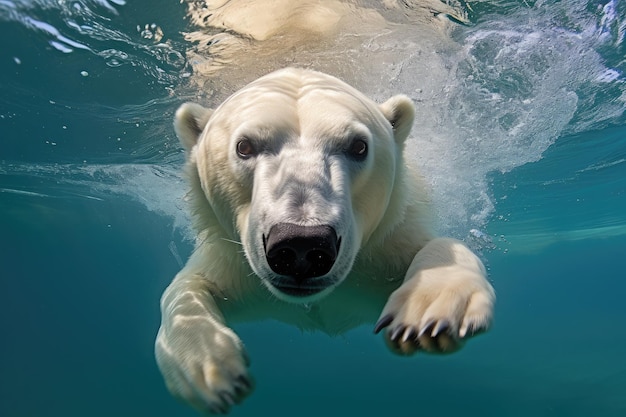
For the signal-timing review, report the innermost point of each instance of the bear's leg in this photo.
(445, 298)
(202, 360)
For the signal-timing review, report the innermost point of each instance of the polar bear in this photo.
(300, 194)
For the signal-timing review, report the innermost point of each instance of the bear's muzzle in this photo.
(299, 254)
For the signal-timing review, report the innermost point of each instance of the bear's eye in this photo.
(245, 149)
(357, 149)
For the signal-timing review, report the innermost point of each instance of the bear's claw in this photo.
(227, 398)
(410, 334)
(442, 326)
(383, 322)
(243, 380)
(241, 387)
(395, 334)
(435, 336)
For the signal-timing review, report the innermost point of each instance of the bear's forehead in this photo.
(317, 120)
(302, 109)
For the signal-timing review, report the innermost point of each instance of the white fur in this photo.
(432, 292)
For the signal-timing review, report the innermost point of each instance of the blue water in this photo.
(524, 140)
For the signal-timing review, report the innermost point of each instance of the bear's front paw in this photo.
(436, 312)
(204, 364)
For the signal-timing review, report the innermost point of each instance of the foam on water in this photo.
(160, 188)
(519, 83)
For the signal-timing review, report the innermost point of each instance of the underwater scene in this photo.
(520, 132)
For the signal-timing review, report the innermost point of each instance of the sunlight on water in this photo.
(490, 96)
(94, 26)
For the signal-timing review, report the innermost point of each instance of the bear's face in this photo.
(300, 168)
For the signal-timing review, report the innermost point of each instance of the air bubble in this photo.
(113, 57)
(151, 32)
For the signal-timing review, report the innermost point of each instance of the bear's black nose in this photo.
(301, 252)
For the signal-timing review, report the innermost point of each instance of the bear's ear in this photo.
(400, 112)
(189, 123)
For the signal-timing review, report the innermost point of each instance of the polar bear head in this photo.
(303, 170)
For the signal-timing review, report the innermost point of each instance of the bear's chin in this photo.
(299, 293)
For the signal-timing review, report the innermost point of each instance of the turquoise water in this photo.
(528, 160)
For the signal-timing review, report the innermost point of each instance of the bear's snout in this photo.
(299, 253)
